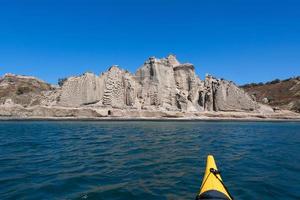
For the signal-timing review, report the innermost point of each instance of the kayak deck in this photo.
(212, 186)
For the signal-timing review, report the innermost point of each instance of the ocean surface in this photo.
(147, 160)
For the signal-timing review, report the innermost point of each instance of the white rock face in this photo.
(85, 89)
(188, 86)
(119, 88)
(114, 88)
(229, 97)
(158, 85)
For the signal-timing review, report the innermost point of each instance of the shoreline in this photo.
(156, 119)
(41, 113)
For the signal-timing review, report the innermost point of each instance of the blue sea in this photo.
(146, 159)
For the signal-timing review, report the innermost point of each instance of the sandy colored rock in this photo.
(160, 88)
(156, 85)
(119, 88)
(81, 90)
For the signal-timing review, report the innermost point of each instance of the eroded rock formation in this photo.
(159, 85)
(119, 88)
(85, 89)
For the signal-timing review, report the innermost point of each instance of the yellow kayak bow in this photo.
(212, 186)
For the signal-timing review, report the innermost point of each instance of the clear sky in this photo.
(244, 41)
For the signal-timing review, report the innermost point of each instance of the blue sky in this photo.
(244, 41)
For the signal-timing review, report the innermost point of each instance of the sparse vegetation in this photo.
(288, 79)
(61, 81)
(273, 82)
(248, 85)
(23, 90)
(252, 84)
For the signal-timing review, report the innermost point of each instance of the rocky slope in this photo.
(159, 88)
(22, 90)
(280, 94)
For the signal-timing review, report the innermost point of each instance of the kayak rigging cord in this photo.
(204, 181)
(215, 172)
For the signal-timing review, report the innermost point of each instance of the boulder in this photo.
(265, 100)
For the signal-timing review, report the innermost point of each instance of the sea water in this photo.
(146, 160)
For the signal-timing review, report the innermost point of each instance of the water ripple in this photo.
(146, 160)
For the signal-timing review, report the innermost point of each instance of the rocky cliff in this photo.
(160, 87)
(159, 84)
